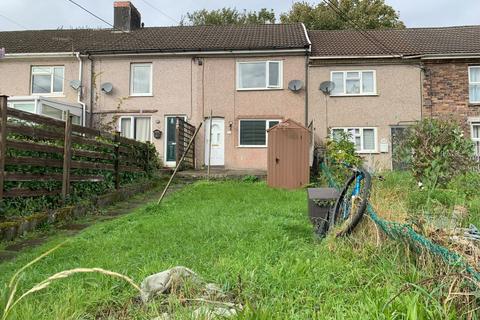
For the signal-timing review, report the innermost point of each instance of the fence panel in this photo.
(39, 148)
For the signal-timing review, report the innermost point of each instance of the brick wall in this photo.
(445, 91)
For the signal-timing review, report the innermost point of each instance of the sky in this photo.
(52, 14)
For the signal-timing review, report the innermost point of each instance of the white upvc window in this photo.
(354, 83)
(253, 132)
(365, 139)
(47, 80)
(475, 133)
(141, 79)
(259, 75)
(474, 84)
(136, 127)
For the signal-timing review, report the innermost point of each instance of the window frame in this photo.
(267, 75)
(267, 121)
(132, 128)
(52, 77)
(470, 83)
(345, 94)
(476, 141)
(362, 150)
(148, 94)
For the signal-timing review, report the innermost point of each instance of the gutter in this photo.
(442, 56)
(41, 55)
(199, 53)
(79, 93)
(356, 57)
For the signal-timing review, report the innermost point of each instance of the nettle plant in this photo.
(437, 151)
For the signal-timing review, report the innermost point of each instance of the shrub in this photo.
(341, 152)
(437, 151)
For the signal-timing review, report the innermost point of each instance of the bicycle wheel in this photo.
(350, 205)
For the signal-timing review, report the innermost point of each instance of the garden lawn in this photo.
(254, 241)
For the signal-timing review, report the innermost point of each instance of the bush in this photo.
(341, 152)
(437, 151)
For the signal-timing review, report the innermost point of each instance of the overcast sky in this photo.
(51, 14)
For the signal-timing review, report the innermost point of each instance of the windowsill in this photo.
(141, 95)
(49, 95)
(259, 89)
(368, 152)
(474, 104)
(355, 95)
(254, 147)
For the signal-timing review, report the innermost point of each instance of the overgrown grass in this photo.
(254, 241)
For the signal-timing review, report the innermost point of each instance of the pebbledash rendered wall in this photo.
(191, 87)
(397, 102)
(446, 91)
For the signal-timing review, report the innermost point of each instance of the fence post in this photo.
(3, 141)
(116, 163)
(67, 156)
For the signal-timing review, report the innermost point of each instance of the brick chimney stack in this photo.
(125, 16)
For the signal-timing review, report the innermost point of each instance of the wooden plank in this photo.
(130, 142)
(116, 164)
(92, 154)
(92, 132)
(16, 176)
(57, 163)
(37, 162)
(92, 165)
(130, 168)
(3, 141)
(91, 142)
(33, 132)
(67, 157)
(21, 192)
(31, 146)
(36, 118)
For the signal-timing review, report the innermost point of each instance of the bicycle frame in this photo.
(355, 192)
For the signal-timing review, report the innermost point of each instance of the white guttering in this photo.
(199, 53)
(307, 37)
(80, 90)
(444, 56)
(356, 57)
(41, 55)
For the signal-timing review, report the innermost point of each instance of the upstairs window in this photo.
(141, 79)
(47, 79)
(137, 128)
(259, 75)
(253, 133)
(474, 84)
(365, 139)
(353, 83)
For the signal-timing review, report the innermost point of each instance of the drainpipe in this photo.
(79, 96)
(92, 89)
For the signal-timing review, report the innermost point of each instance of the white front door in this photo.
(218, 142)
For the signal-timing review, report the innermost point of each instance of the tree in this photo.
(365, 14)
(228, 16)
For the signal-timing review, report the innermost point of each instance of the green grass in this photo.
(254, 241)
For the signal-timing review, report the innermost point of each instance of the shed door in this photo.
(218, 142)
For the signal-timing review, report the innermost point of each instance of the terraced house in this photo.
(386, 80)
(139, 80)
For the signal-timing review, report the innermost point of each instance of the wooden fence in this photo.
(184, 133)
(52, 143)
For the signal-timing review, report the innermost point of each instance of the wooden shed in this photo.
(288, 155)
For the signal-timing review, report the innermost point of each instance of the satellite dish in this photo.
(75, 84)
(327, 87)
(295, 85)
(107, 87)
